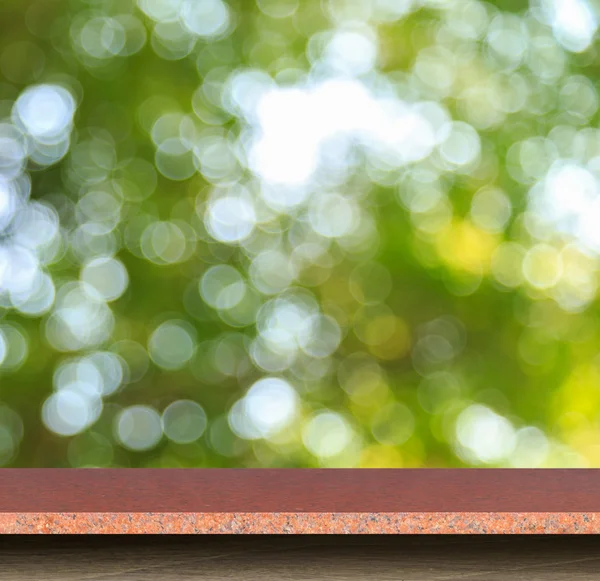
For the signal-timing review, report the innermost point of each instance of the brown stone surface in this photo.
(302, 523)
(302, 490)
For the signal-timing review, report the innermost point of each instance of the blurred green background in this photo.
(284, 233)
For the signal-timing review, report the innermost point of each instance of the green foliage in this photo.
(297, 234)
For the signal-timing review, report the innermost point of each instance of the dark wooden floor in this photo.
(266, 558)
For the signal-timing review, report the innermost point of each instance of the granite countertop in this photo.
(315, 501)
(301, 523)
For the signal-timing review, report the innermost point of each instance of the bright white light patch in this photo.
(15, 349)
(13, 151)
(68, 412)
(462, 144)
(161, 10)
(103, 37)
(163, 243)
(184, 421)
(107, 275)
(3, 347)
(81, 319)
(36, 300)
(80, 376)
(8, 203)
(171, 345)
(286, 115)
(111, 368)
(36, 225)
(268, 407)
(45, 112)
(531, 449)
(573, 22)
(206, 18)
(327, 434)
(230, 219)
(281, 322)
(568, 199)
(320, 336)
(333, 215)
(485, 436)
(271, 272)
(222, 287)
(22, 269)
(351, 53)
(138, 428)
(295, 127)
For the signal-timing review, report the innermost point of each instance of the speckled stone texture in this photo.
(302, 523)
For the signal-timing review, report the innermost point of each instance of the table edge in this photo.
(247, 490)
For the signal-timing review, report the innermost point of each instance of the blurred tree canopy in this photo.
(284, 233)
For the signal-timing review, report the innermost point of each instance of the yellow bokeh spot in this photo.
(379, 329)
(465, 247)
(578, 267)
(389, 337)
(381, 457)
(413, 453)
(542, 266)
(370, 393)
(337, 291)
(580, 393)
(571, 422)
(586, 441)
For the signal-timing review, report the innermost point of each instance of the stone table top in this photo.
(300, 501)
(301, 523)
